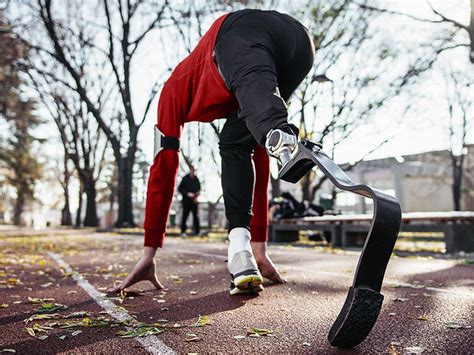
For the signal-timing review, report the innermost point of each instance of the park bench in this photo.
(350, 230)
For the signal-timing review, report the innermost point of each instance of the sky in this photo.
(421, 129)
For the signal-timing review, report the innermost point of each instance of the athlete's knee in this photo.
(263, 110)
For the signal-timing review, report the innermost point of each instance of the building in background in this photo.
(422, 182)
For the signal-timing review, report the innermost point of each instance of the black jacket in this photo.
(189, 184)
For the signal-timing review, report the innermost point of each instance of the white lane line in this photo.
(348, 276)
(151, 343)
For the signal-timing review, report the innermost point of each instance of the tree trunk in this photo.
(471, 33)
(19, 208)
(306, 187)
(276, 188)
(112, 196)
(79, 207)
(66, 218)
(90, 220)
(333, 197)
(210, 215)
(124, 192)
(457, 183)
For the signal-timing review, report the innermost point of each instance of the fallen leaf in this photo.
(424, 318)
(202, 321)
(176, 279)
(36, 300)
(401, 299)
(3, 305)
(456, 325)
(192, 292)
(414, 350)
(38, 328)
(306, 344)
(191, 337)
(99, 322)
(77, 332)
(43, 337)
(123, 295)
(31, 331)
(51, 307)
(139, 332)
(392, 350)
(7, 351)
(79, 314)
(40, 317)
(257, 332)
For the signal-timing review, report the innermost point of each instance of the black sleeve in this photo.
(182, 188)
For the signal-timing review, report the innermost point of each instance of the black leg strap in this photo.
(364, 301)
(163, 142)
(170, 143)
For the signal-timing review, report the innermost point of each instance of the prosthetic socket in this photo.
(280, 144)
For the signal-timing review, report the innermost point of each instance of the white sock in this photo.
(239, 240)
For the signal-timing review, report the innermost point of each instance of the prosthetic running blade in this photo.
(364, 300)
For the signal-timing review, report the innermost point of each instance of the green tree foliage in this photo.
(17, 157)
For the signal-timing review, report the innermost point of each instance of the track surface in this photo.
(424, 298)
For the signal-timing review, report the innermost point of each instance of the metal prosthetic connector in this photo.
(281, 145)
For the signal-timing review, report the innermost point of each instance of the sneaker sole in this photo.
(248, 281)
(247, 291)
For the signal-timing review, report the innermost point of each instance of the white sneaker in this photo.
(245, 275)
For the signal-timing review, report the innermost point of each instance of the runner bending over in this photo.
(244, 68)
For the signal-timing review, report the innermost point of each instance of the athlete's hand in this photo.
(144, 270)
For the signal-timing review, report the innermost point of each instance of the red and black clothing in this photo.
(261, 55)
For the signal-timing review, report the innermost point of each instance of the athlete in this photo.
(244, 68)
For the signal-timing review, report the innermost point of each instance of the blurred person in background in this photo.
(189, 189)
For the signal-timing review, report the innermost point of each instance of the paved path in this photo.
(425, 299)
